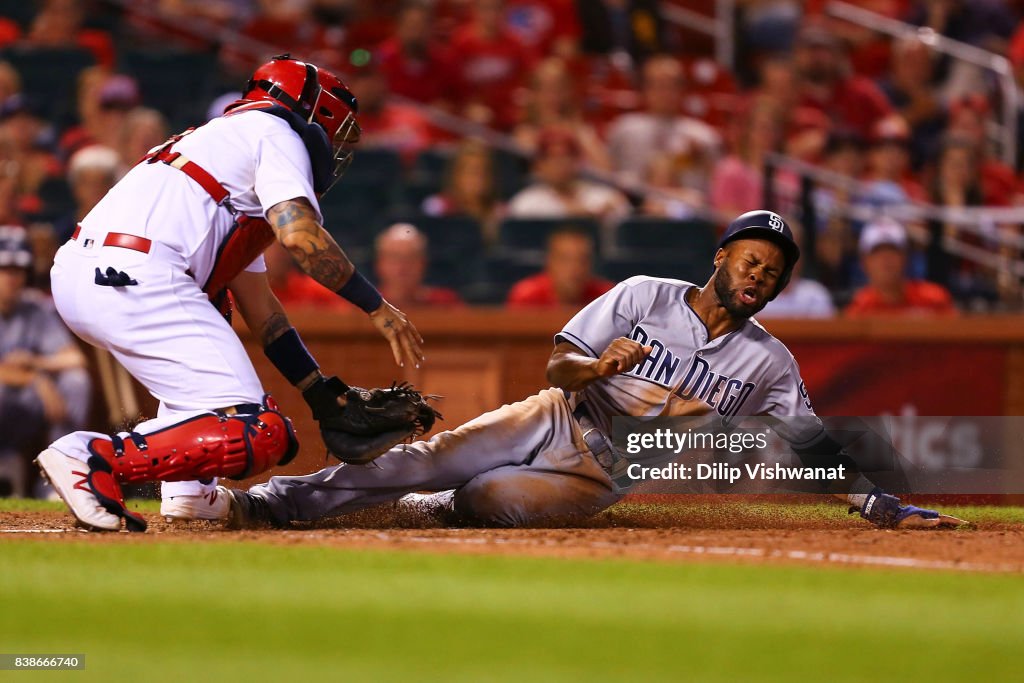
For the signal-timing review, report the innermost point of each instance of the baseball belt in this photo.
(120, 239)
(602, 448)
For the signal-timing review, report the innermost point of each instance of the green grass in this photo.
(224, 610)
(660, 512)
(769, 513)
(33, 505)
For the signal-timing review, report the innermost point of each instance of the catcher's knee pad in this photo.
(212, 445)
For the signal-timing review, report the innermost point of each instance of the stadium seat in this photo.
(660, 234)
(622, 267)
(511, 172)
(661, 248)
(527, 237)
(499, 274)
(359, 205)
(456, 248)
(49, 77)
(431, 166)
(353, 214)
(20, 11)
(373, 166)
(56, 198)
(178, 83)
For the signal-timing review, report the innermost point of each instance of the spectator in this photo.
(883, 248)
(629, 31)
(768, 27)
(825, 82)
(553, 102)
(988, 24)
(559, 191)
(736, 182)
(546, 27)
(401, 265)
(10, 213)
(104, 100)
(568, 278)
(143, 130)
(293, 287)
(668, 199)
(385, 123)
(44, 388)
(413, 62)
(91, 173)
(221, 102)
(469, 190)
(10, 81)
(31, 140)
(635, 138)
(888, 177)
(58, 24)
(911, 86)
(491, 64)
(957, 183)
(802, 298)
(835, 244)
(968, 121)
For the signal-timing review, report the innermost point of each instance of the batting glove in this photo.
(885, 512)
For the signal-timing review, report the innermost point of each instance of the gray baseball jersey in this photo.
(745, 372)
(529, 460)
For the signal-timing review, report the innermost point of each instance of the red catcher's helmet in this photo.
(315, 94)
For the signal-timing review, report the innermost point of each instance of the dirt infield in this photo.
(706, 532)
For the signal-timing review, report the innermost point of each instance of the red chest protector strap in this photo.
(249, 236)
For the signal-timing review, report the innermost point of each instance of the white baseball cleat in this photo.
(69, 479)
(213, 506)
(428, 503)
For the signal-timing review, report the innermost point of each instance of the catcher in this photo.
(185, 227)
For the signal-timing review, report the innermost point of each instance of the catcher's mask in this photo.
(766, 225)
(315, 94)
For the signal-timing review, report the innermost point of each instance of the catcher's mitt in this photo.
(371, 421)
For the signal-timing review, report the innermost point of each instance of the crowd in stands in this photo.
(600, 111)
(615, 145)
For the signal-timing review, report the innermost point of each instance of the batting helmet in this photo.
(315, 94)
(766, 225)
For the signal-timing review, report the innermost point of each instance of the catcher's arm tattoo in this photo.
(294, 221)
(273, 327)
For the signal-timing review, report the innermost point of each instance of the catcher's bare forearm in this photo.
(263, 313)
(294, 221)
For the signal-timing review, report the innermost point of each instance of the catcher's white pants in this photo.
(517, 465)
(164, 331)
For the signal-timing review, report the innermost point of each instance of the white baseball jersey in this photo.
(257, 157)
(746, 372)
(163, 328)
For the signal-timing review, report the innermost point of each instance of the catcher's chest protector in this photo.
(235, 446)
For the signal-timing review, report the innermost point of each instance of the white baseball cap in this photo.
(881, 232)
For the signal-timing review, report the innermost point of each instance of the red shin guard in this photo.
(100, 481)
(235, 446)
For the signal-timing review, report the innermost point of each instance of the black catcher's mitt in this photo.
(371, 421)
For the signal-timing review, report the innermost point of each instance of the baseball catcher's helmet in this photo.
(766, 225)
(315, 94)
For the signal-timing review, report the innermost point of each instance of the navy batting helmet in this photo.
(766, 225)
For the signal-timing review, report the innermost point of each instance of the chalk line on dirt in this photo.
(727, 551)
